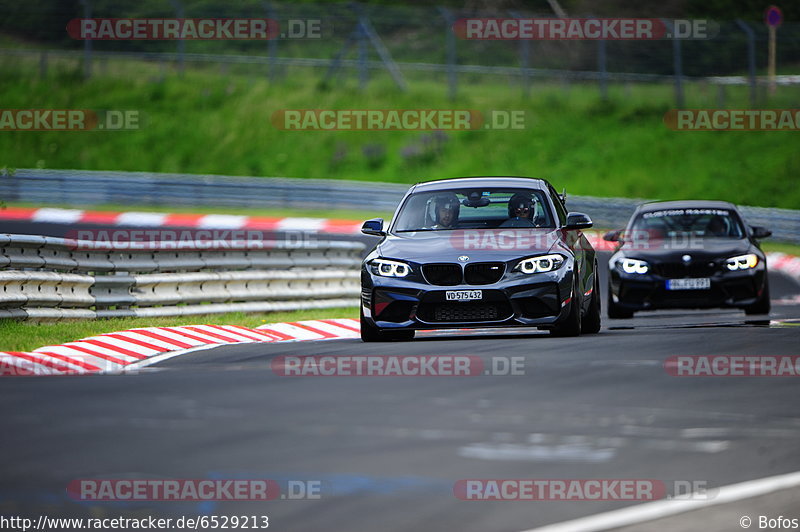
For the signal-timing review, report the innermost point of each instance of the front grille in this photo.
(465, 311)
(692, 297)
(677, 270)
(442, 274)
(484, 272)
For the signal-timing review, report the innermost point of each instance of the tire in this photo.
(590, 324)
(400, 336)
(762, 305)
(571, 326)
(370, 333)
(616, 312)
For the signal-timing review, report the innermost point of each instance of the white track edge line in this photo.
(161, 357)
(658, 509)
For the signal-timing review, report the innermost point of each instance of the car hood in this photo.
(479, 245)
(698, 249)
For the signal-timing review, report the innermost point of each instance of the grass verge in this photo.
(789, 249)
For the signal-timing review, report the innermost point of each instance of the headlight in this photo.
(742, 262)
(635, 266)
(540, 264)
(389, 268)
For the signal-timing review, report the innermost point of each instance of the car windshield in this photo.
(483, 208)
(703, 223)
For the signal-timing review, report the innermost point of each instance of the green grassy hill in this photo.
(207, 122)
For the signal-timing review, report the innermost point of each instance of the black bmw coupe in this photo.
(480, 252)
(687, 254)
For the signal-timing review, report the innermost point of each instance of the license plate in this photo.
(463, 295)
(689, 284)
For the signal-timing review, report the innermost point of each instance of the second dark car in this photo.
(687, 254)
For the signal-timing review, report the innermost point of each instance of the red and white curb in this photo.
(788, 264)
(119, 351)
(194, 221)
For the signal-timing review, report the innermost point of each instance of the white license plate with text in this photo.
(463, 295)
(689, 284)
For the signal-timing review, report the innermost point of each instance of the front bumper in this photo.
(518, 299)
(648, 292)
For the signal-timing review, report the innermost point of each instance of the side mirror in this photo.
(760, 232)
(578, 220)
(373, 227)
(613, 236)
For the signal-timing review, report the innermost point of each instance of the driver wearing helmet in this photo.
(521, 211)
(716, 227)
(445, 211)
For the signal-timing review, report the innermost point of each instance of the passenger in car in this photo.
(521, 211)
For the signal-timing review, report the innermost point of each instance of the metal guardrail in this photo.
(84, 187)
(56, 278)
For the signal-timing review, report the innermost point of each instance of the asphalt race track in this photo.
(387, 451)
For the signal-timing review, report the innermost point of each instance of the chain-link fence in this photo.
(410, 43)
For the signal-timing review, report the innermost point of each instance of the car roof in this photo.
(480, 181)
(686, 204)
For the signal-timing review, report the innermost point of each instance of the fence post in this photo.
(676, 50)
(272, 43)
(721, 96)
(677, 64)
(751, 61)
(179, 13)
(43, 64)
(87, 43)
(524, 60)
(363, 73)
(602, 67)
(383, 52)
(451, 51)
